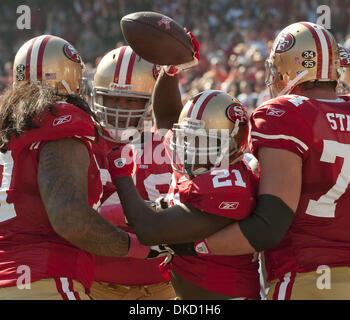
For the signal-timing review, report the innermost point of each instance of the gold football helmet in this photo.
(344, 71)
(51, 61)
(122, 73)
(212, 131)
(301, 52)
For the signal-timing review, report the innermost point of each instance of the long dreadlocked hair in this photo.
(19, 105)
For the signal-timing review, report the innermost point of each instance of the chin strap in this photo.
(292, 83)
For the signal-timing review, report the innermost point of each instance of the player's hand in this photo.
(172, 71)
(121, 162)
(161, 204)
(159, 251)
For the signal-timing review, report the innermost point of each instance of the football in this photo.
(157, 38)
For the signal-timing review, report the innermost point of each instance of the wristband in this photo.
(201, 248)
(136, 248)
(121, 163)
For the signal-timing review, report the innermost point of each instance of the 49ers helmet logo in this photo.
(72, 54)
(235, 111)
(284, 42)
(344, 55)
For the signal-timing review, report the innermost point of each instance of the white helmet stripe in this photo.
(124, 66)
(199, 103)
(324, 45)
(325, 53)
(34, 58)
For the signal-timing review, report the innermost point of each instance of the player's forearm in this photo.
(86, 229)
(229, 241)
(63, 185)
(140, 216)
(166, 101)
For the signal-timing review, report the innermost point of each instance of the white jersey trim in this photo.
(283, 287)
(332, 100)
(280, 136)
(66, 290)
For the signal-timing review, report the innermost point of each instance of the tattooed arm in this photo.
(63, 185)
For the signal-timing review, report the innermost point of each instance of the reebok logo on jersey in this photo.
(229, 205)
(120, 163)
(62, 119)
(275, 112)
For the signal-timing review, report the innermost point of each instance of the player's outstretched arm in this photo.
(166, 101)
(63, 185)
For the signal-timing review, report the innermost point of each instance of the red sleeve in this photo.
(280, 124)
(222, 196)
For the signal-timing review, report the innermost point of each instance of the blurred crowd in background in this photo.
(235, 35)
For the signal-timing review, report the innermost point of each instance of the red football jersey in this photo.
(152, 180)
(230, 193)
(26, 236)
(318, 132)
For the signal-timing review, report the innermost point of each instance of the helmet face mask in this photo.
(270, 77)
(121, 115)
(216, 140)
(122, 74)
(197, 149)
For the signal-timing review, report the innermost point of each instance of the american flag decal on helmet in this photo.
(50, 76)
